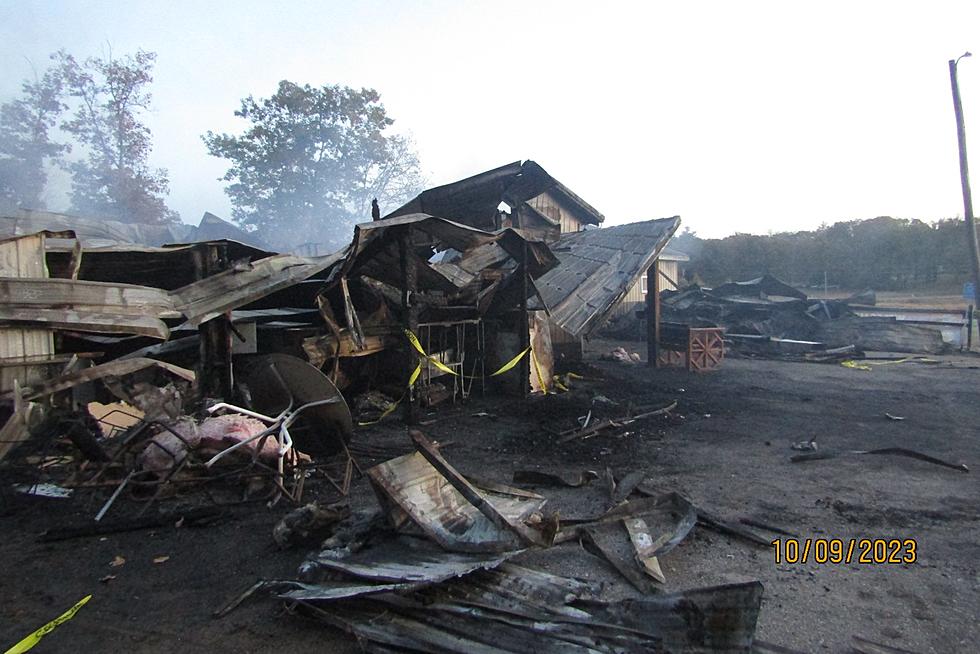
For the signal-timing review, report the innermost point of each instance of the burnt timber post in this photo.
(214, 374)
(653, 314)
(523, 329)
(971, 227)
(410, 315)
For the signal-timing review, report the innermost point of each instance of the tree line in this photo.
(305, 169)
(882, 253)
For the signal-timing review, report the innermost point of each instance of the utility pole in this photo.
(971, 226)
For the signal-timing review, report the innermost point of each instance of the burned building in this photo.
(519, 195)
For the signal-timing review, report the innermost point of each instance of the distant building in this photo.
(669, 264)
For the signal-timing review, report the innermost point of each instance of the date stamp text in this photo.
(870, 551)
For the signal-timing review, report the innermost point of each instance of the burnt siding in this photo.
(635, 297)
(557, 210)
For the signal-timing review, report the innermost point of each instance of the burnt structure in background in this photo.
(223, 347)
(536, 203)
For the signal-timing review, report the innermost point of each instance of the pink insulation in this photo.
(212, 435)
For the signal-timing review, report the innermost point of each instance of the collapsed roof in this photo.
(94, 233)
(132, 289)
(374, 251)
(597, 267)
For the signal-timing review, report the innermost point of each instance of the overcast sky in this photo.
(738, 116)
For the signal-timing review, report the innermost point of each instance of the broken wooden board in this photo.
(608, 542)
(87, 306)
(645, 546)
(897, 451)
(616, 422)
(86, 321)
(723, 526)
(246, 282)
(410, 489)
(102, 297)
(634, 553)
(672, 509)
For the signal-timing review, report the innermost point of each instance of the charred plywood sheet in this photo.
(597, 268)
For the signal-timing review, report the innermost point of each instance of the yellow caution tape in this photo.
(35, 638)
(866, 365)
(411, 379)
(415, 341)
(513, 362)
(384, 414)
(415, 374)
(510, 364)
(537, 369)
(436, 362)
(504, 368)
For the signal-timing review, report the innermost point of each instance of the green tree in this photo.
(310, 162)
(25, 142)
(114, 180)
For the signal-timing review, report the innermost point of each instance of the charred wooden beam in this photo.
(215, 377)
(523, 329)
(410, 313)
(653, 315)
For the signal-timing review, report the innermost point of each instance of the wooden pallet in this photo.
(703, 349)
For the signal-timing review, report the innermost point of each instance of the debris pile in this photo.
(765, 316)
(443, 568)
(201, 342)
